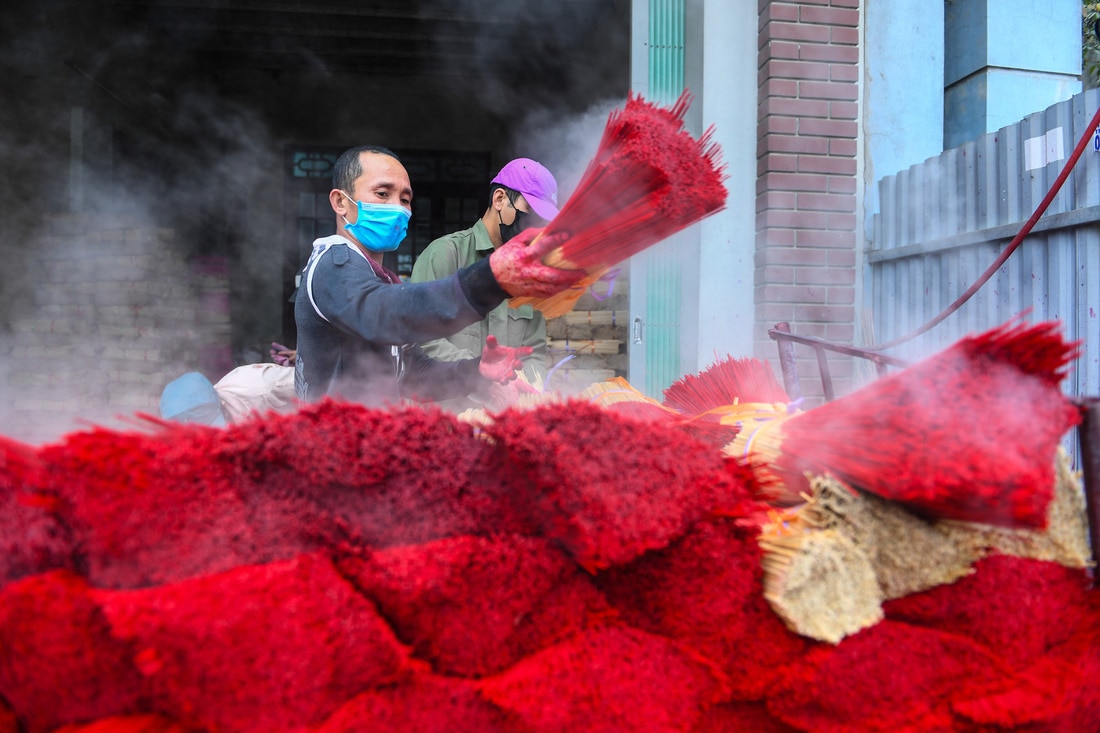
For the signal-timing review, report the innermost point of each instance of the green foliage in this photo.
(1090, 45)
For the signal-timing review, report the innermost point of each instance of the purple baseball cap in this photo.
(537, 185)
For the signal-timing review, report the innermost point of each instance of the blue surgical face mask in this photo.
(379, 227)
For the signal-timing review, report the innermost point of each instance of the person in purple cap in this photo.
(523, 194)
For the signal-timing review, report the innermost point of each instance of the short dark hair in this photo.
(348, 167)
(511, 193)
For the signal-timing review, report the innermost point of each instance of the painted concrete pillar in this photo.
(1004, 59)
(903, 90)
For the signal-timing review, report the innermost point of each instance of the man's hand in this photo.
(283, 355)
(500, 363)
(517, 266)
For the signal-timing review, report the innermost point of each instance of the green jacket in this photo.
(523, 326)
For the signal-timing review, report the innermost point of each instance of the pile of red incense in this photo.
(345, 569)
(648, 179)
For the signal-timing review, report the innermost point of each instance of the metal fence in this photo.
(945, 221)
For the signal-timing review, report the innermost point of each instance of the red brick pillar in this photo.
(808, 110)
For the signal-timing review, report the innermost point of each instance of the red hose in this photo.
(1028, 225)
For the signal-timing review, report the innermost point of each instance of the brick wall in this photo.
(109, 316)
(808, 99)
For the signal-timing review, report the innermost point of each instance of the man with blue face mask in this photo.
(359, 325)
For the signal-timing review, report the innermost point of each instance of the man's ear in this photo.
(338, 202)
(499, 200)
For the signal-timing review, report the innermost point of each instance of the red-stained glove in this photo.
(517, 266)
(500, 363)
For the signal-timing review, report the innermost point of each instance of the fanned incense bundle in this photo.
(968, 434)
(620, 396)
(648, 180)
(726, 382)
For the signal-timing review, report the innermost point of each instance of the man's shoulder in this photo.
(446, 254)
(450, 242)
(334, 269)
(336, 252)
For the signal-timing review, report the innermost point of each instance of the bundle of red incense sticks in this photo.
(648, 180)
(967, 434)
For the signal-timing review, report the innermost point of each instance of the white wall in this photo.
(728, 238)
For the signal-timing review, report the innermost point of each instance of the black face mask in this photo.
(508, 231)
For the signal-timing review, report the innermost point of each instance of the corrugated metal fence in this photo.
(945, 221)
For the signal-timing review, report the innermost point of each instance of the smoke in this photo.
(524, 60)
(552, 72)
(564, 144)
(131, 164)
(127, 182)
